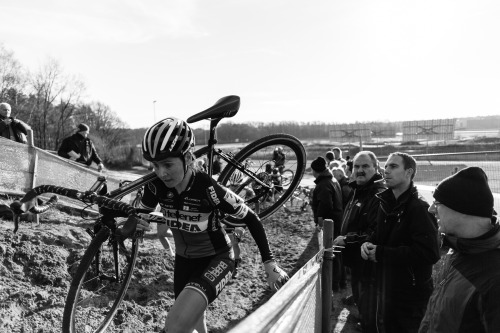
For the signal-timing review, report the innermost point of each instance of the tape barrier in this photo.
(296, 307)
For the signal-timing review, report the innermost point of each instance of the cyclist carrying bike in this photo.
(279, 158)
(194, 205)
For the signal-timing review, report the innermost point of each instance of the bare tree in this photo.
(51, 84)
(12, 77)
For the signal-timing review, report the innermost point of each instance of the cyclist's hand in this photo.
(276, 277)
(142, 225)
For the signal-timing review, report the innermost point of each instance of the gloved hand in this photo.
(275, 276)
(100, 166)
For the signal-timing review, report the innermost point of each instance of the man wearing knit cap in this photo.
(326, 203)
(404, 247)
(467, 297)
(78, 147)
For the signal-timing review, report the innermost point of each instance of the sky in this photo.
(326, 60)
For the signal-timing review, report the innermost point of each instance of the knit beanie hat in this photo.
(83, 128)
(466, 192)
(319, 164)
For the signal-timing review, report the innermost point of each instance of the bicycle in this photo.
(300, 199)
(105, 270)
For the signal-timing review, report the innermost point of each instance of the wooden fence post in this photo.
(326, 276)
(34, 166)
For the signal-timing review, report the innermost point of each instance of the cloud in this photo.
(128, 21)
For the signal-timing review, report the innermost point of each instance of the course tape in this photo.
(296, 307)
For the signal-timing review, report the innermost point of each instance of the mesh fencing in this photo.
(432, 168)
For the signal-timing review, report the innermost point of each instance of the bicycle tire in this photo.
(262, 150)
(86, 284)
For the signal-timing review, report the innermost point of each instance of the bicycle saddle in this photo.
(225, 107)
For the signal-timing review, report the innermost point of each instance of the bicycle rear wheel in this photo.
(100, 283)
(263, 201)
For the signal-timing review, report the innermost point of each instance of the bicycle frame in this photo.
(209, 150)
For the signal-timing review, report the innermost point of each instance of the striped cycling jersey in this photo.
(194, 216)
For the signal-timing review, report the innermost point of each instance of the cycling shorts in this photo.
(206, 275)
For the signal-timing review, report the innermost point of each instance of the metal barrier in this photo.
(24, 166)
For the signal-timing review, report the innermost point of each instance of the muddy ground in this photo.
(34, 278)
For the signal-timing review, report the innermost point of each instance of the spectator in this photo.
(358, 224)
(338, 155)
(327, 204)
(348, 169)
(404, 248)
(339, 174)
(329, 159)
(78, 147)
(11, 128)
(279, 158)
(467, 299)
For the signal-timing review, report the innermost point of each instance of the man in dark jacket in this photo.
(80, 148)
(404, 247)
(327, 204)
(467, 298)
(11, 128)
(358, 224)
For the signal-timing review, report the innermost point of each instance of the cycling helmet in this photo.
(170, 137)
(235, 178)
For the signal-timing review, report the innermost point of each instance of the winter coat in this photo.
(467, 298)
(346, 190)
(407, 247)
(80, 145)
(327, 199)
(359, 218)
(16, 130)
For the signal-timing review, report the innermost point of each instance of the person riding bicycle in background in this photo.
(277, 181)
(195, 204)
(279, 158)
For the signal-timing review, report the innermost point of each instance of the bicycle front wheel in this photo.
(99, 284)
(263, 200)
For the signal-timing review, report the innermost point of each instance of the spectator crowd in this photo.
(390, 239)
(77, 147)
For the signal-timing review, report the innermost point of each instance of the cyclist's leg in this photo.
(187, 313)
(197, 283)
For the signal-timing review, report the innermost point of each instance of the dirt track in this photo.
(34, 278)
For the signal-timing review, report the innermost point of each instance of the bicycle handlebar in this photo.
(22, 206)
(17, 210)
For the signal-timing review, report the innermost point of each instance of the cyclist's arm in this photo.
(231, 204)
(149, 200)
